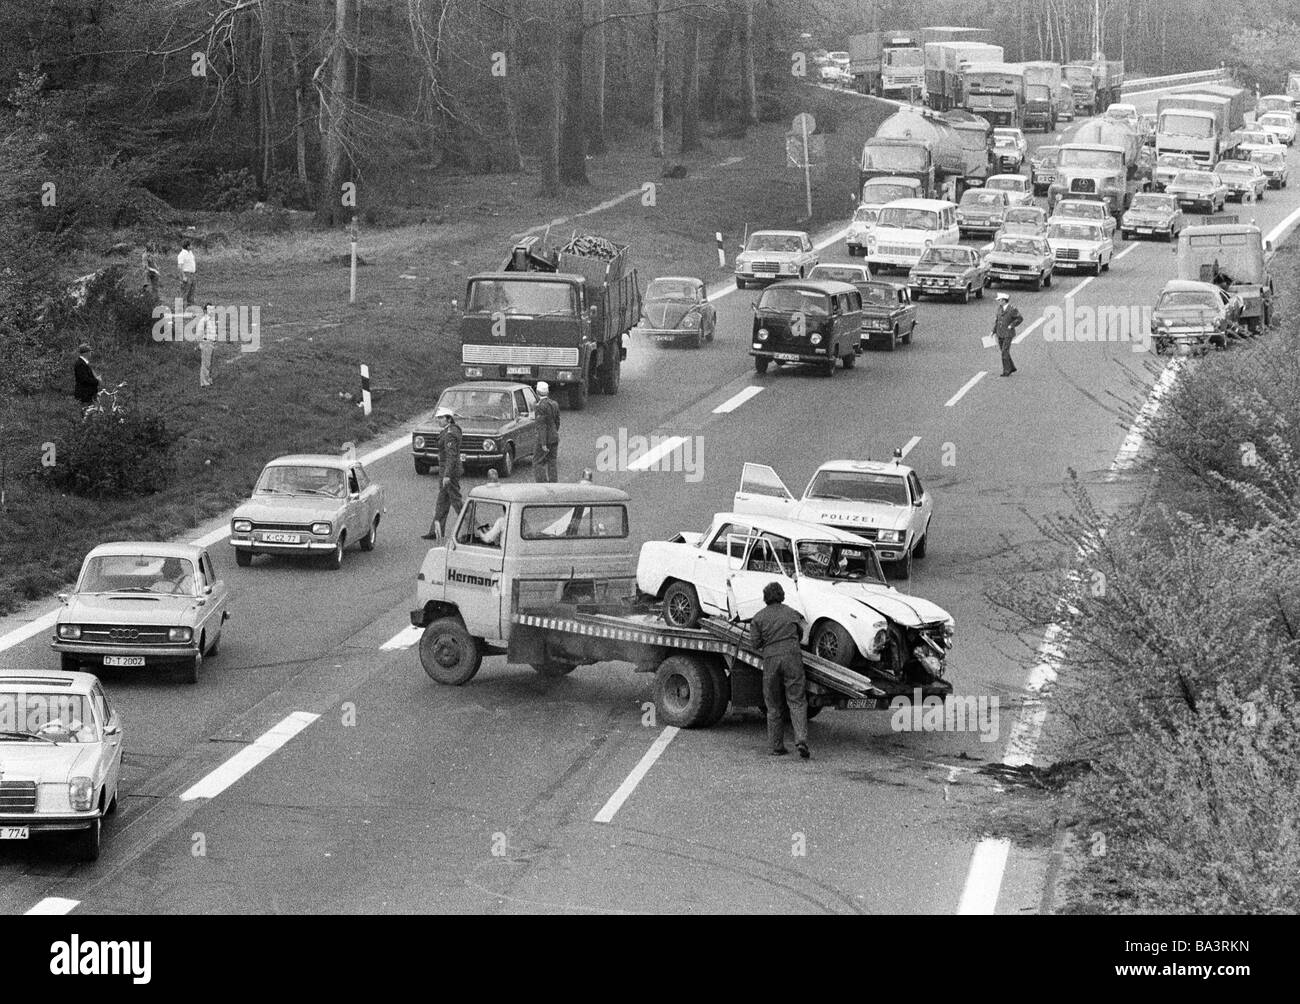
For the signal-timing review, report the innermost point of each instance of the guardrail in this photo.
(1173, 80)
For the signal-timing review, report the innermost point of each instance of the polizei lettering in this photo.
(470, 579)
(102, 958)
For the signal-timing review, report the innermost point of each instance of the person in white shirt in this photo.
(186, 266)
(207, 342)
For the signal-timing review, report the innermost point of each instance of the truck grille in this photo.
(17, 796)
(519, 355)
(119, 634)
(1066, 254)
(902, 250)
(1084, 185)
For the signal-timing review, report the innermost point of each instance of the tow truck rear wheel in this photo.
(721, 693)
(448, 653)
(682, 605)
(684, 691)
(611, 373)
(578, 394)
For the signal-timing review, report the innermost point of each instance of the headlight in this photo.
(762, 334)
(947, 635)
(890, 536)
(419, 444)
(242, 526)
(1092, 255)
(81, 793)
(72, 631)
(961, 217)
(929, 244)
(321, 529)
(473, 371)
(566, 376)
(691, 321)
(816, 339)
(878, 642)
(489, 445)
(180, 634)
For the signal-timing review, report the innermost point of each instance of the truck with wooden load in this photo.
(995, 91)
(1043, 82)
(1095, 84)
(950, 151)
(555, 316)
(545, 574)
(1197, 124)
(888, 64)
(944, 63)
(1102, 159)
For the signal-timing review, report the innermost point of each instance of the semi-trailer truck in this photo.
(887, 64)
(944, 63)
(995, 91)
(1043, 81)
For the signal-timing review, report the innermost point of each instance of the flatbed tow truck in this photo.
(555, 589)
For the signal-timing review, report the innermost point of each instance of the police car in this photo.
(879, 501)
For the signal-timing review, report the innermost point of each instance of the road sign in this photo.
(804, 122)
(794, 150)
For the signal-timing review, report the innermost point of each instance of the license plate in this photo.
(859, 703)
(785, 356)
(664, 338)
(519, 370)
(123, 660)
(13, 833)
(1144, 230)
(282, 538)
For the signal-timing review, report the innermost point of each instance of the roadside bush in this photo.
(288, 190)
(110, 303)
(231, 190)
(114, 450)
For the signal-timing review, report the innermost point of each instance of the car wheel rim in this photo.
(828, 646)
(679, 608)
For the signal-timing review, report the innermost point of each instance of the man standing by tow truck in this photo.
(775, 631)
(449, 470)
(545, 459)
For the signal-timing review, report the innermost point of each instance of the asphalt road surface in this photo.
(405, 796)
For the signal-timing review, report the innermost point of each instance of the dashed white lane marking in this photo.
(53, 906)
(1028, 331)
(404, 638)
(616, 800)
(910, 444)
(249, 757)
(734, 402)
(965, 387)
(1071, 292)
(980, 895)
(653, 456)
(19, 635)
(1131, 247)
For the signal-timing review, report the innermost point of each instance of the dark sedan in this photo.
(498, 423)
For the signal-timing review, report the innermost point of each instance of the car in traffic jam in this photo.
(1152, 214)
(1199, 190)
(772, 255)
(1245, 179)
(949, 271)
(807, 322)
(888, 315)
(1079, 244)
(1022, 259)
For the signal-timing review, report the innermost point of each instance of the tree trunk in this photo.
(511, 158)
(268, 90)
(299, 113)
(713, 98)
(690, 114)
(573, 138)
(596, 132)
(334, 109)
(748, 88)
(657, 90)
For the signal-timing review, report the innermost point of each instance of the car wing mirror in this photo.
(112, 729)
(63, 597)
(207, 590)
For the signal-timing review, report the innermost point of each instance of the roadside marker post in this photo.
(352, 278)
(722, 255)
(365, 390)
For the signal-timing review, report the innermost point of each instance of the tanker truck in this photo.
(941, 151)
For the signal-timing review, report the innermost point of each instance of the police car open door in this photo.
(762, 492)
(766, 558)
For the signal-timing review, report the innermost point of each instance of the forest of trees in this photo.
(294, 97)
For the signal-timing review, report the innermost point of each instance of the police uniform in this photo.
(775, 631)
(449, 471)
(545, 461)
(1004, 330)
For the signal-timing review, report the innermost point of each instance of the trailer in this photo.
(887, 63)
(944, 63)
(1043, 82)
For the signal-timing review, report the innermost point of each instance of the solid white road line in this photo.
(53, 906)
(616, 800)
(984, 881)
(965, 387)
(653, 456)
(1283, 228)
(910, 443)
(404, 638)
(732, 403)
(1028, 331)
(249, 757)
(1136, 436)
(19, 635)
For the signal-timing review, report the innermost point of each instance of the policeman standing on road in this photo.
(449, 469)
(775, 631)
(545, 461)
(1004, 330)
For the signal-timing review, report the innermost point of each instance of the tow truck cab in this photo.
(522, 546)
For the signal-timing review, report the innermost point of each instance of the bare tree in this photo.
(600, 46)
(658, 29)
(333, 80)
(748, 88)
(690, 111)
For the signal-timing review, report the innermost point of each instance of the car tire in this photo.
(421, 468)
(554, 670)
(448, 653)
(611, 374)
(828, 367)
(850, 360)
(334, 561)
(907, 338)
(964, 297)
(368, 541)
(1104, 266)
(741, 284)
(215, 647)
(697, 340)
(191, 668)
(682, 605)
(112, 805)
(760, 364)
(831, 642)
(1047, 279)
(69, 663)
(85, 845)
(979, 293)
(712, 328)
(684, 691)
(578, 394)
(893, 340)
(903, 567)
(721, 694)
(243, 558)
(919, 550)
(1038, 283)
(916, 292)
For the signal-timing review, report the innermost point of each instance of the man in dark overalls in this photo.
(776, 631)
(449, 470)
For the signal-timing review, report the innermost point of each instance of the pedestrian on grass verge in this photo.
(776, 631)
(86, 380)
(207, 343)
(186, 266)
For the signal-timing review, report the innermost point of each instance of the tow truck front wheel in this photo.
(448, 653)
(684, 691)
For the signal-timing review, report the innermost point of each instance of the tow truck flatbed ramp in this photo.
(646, 630)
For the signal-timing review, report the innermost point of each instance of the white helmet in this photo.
(444, 412)
(543, 388)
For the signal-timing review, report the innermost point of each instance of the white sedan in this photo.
(1280, 125)
(1019, 189)
(830, 576)
(1080, 244)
